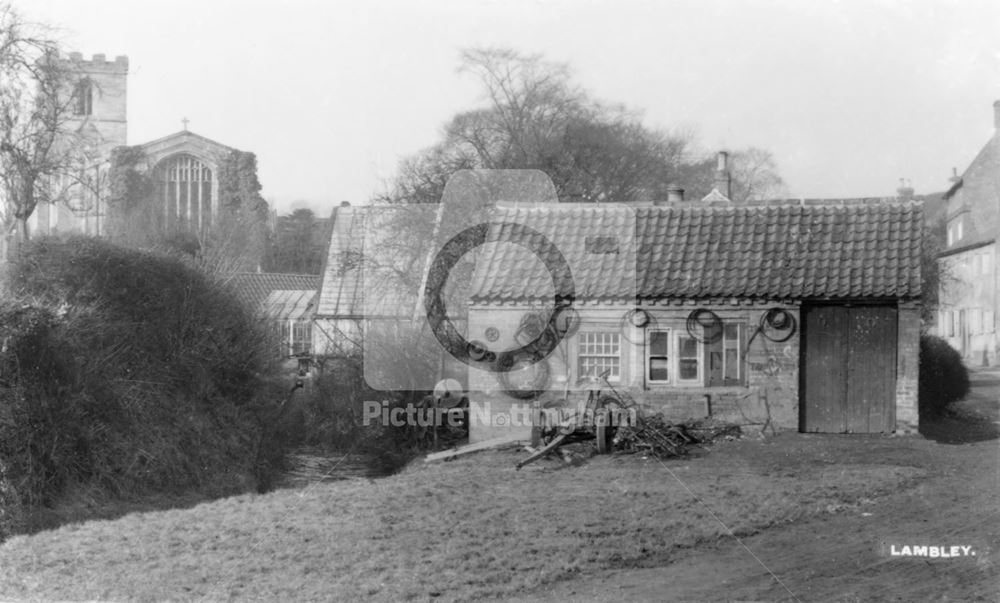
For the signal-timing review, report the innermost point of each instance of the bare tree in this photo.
(755, 175)
(40, 157)
(535, 117)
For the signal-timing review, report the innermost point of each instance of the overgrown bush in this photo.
(125, 372)
(943, 377)
(331, 411)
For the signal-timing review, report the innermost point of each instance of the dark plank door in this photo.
(825, 355)
(871, 372)
(849, 369)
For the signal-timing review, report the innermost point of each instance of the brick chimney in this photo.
(723, 181)
(675, 194)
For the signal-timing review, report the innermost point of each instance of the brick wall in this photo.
(907, 368)
(770, 394)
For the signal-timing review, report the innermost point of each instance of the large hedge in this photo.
(943, 377)
(124, 372)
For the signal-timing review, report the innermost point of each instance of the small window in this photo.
(958, 231)
(658, 357)
(599, 352)
(732, 371)
(989, 319)
(951, 236)
(302, 337)
(688, 359)
(83, 96)
(723, 355)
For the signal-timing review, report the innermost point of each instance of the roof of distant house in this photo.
(340, 292)
(254, 288)
(294, 304)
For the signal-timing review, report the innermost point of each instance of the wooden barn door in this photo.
(849, 369)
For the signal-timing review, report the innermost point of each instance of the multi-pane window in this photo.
(599, 352)
(302, 337)
(658, 357)
(710, 358)
(296, 337)
(185, 190)
(723, 355)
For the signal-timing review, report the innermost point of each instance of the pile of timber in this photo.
(654, 435)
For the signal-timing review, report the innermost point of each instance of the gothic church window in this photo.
(184, 186)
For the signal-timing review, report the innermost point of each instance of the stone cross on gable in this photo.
(185, 122)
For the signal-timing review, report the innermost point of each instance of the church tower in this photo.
(97, 92)
(99, 98)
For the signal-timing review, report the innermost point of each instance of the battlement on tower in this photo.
(98, 63)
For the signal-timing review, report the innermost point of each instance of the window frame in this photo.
(740, 378)
(649, 356)
(676, 335)
(301, 345)
(699, 357)
(721, 346)
(580, 355)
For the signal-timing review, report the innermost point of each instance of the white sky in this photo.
(850, 96)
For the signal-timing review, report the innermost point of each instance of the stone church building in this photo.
(165, 187)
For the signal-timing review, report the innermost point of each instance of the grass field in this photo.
(460, 530)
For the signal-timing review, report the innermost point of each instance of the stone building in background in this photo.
(98, 118)
(970, 283)
(184, 190)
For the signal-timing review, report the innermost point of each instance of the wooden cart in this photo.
(559, 422)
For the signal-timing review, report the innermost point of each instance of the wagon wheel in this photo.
(606, 419)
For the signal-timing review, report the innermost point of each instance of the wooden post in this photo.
(536, 424)
(434, 420)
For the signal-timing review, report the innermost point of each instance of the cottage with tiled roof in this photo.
(797, 315)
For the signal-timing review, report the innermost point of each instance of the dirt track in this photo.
(838, 558)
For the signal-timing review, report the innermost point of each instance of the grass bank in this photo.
(466, 529)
